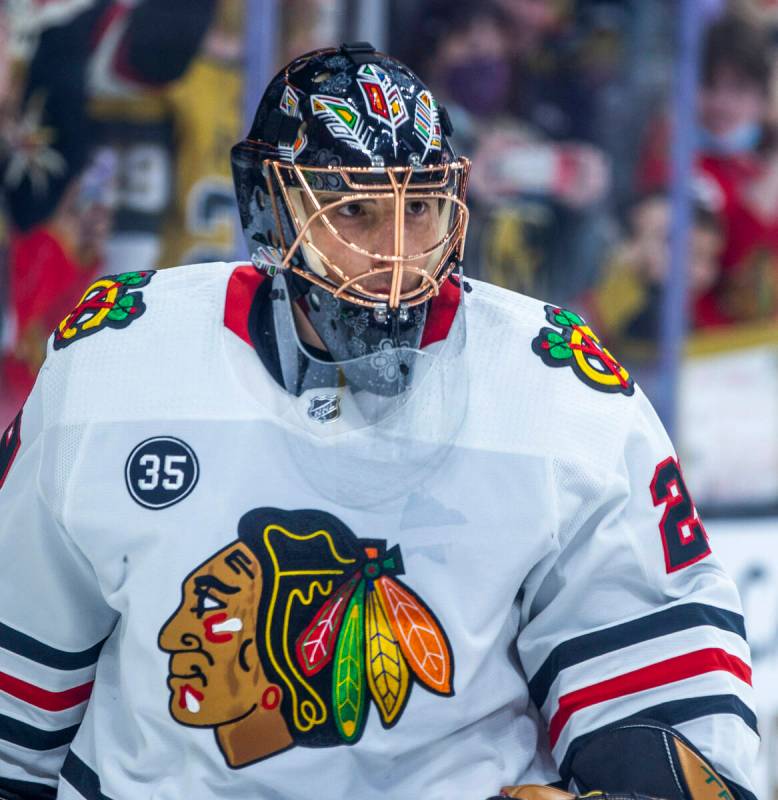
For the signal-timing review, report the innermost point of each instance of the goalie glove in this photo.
(636, 759)
(536, 792)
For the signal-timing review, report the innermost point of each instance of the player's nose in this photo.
(383, 237)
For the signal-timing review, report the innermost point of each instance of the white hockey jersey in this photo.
(183, 615)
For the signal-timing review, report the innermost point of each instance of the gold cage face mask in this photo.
(374, 236)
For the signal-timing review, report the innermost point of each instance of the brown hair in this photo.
(736, 42)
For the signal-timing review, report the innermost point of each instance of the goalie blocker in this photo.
(636, 759)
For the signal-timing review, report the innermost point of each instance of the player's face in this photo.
(370, 225)
(215, 673)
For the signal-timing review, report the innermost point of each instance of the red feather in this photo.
(316, 644)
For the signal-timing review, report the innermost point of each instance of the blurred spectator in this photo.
(138, 53)
(204, 107)
(80, 50)
(48, 134)
(311, 24)
(77, 51)
(50, 266)
(470, 63)
(625, 306)
(44, 148)
(737, 169)
(546, 87)
(536, 222)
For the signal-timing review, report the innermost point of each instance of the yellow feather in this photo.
(387, 672)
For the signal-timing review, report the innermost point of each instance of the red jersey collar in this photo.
(246, 280)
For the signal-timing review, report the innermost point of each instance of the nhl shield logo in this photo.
(324, 408)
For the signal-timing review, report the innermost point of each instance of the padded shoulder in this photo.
(541, 380)
(132, 339)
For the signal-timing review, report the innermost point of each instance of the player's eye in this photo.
(351, 210)
(416, 208)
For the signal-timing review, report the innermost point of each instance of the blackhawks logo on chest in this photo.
(289, 634)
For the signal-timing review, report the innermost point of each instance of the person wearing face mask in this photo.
(528, 185)
(737, 165)
(468, 61)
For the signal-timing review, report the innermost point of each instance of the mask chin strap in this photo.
(395, 326)
(299, 371)
(369, 358)
(392, 321)
(351, 332)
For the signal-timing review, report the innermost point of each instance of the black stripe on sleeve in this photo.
(82, 778)
(673, 713)
(25, 790)
(739, 792)
(589, 645)
(24, 735)
(24, 645)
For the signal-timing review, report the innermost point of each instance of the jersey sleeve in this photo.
(53, 618)
(632, 616)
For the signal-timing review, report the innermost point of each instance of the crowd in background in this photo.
(116, 120)
(565, 109)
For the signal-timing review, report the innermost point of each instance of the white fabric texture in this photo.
(537, 527)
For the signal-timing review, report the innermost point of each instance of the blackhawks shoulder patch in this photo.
(289, 635)
(108, 303)
(577, 346)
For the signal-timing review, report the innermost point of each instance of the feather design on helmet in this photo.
(290, 105)
(343, 121)
(384, 100)
(426, 123)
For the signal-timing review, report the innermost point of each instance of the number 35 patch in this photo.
(161, 471)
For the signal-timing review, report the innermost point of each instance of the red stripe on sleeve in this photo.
(699, 662)
(43, 698)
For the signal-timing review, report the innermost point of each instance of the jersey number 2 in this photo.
(683, 536)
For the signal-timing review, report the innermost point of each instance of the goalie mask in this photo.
(348, 186)
(352, 200)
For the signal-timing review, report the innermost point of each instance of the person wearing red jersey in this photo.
(736, 172)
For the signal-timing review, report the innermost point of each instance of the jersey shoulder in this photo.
(136, 339)
(542, 380)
